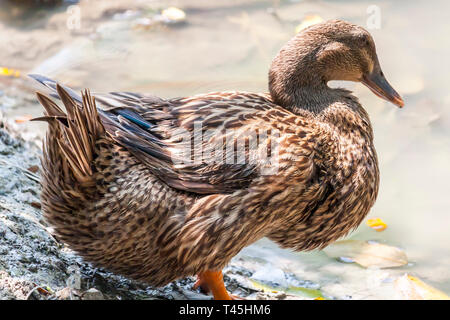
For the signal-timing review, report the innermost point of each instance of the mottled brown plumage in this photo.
(123, 187)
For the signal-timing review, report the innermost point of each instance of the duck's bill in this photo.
(378, 84)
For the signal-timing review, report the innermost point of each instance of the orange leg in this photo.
(213, 281)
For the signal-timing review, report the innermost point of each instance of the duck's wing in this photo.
(213, 143)
(204, 144)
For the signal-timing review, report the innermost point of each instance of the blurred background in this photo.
(179, 48)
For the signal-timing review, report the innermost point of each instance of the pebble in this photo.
(92, 294)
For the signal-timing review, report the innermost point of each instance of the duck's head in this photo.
(332, 50)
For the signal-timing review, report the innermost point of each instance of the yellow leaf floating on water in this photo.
(367, 254)
(377, 224)
(308, 21)
(412, 288)
(9, 72)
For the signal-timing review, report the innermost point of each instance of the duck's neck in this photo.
(297, 81)
(314, 99)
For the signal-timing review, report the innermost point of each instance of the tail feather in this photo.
(51, 108)
(74, 133)
(77, 132)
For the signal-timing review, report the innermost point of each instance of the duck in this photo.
(159, 189)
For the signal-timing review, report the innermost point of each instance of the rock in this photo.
(13, 288)
(271, 275)
(92, 294)
(65, 294)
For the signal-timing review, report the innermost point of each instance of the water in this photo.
(228, 46)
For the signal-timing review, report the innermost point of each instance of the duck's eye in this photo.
(365, 40)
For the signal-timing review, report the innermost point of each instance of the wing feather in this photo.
(162, 134)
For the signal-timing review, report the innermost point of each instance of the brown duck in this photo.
(158, 189)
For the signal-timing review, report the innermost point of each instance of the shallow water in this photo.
(229, 46)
